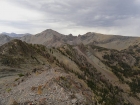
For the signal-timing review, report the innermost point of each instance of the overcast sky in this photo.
(121, 17)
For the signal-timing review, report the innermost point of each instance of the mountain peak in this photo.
(49, 30)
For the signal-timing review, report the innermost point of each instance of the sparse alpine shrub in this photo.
(20, 75)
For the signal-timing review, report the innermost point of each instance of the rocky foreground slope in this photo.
(33, 74)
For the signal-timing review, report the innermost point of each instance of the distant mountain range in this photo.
(14, 34)
(50, 38)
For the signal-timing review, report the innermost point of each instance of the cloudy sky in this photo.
(121, 17)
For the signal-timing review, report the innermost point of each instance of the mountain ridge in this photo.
(52, 38)
(86, 74)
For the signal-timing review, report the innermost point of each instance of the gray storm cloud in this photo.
(79, 16)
